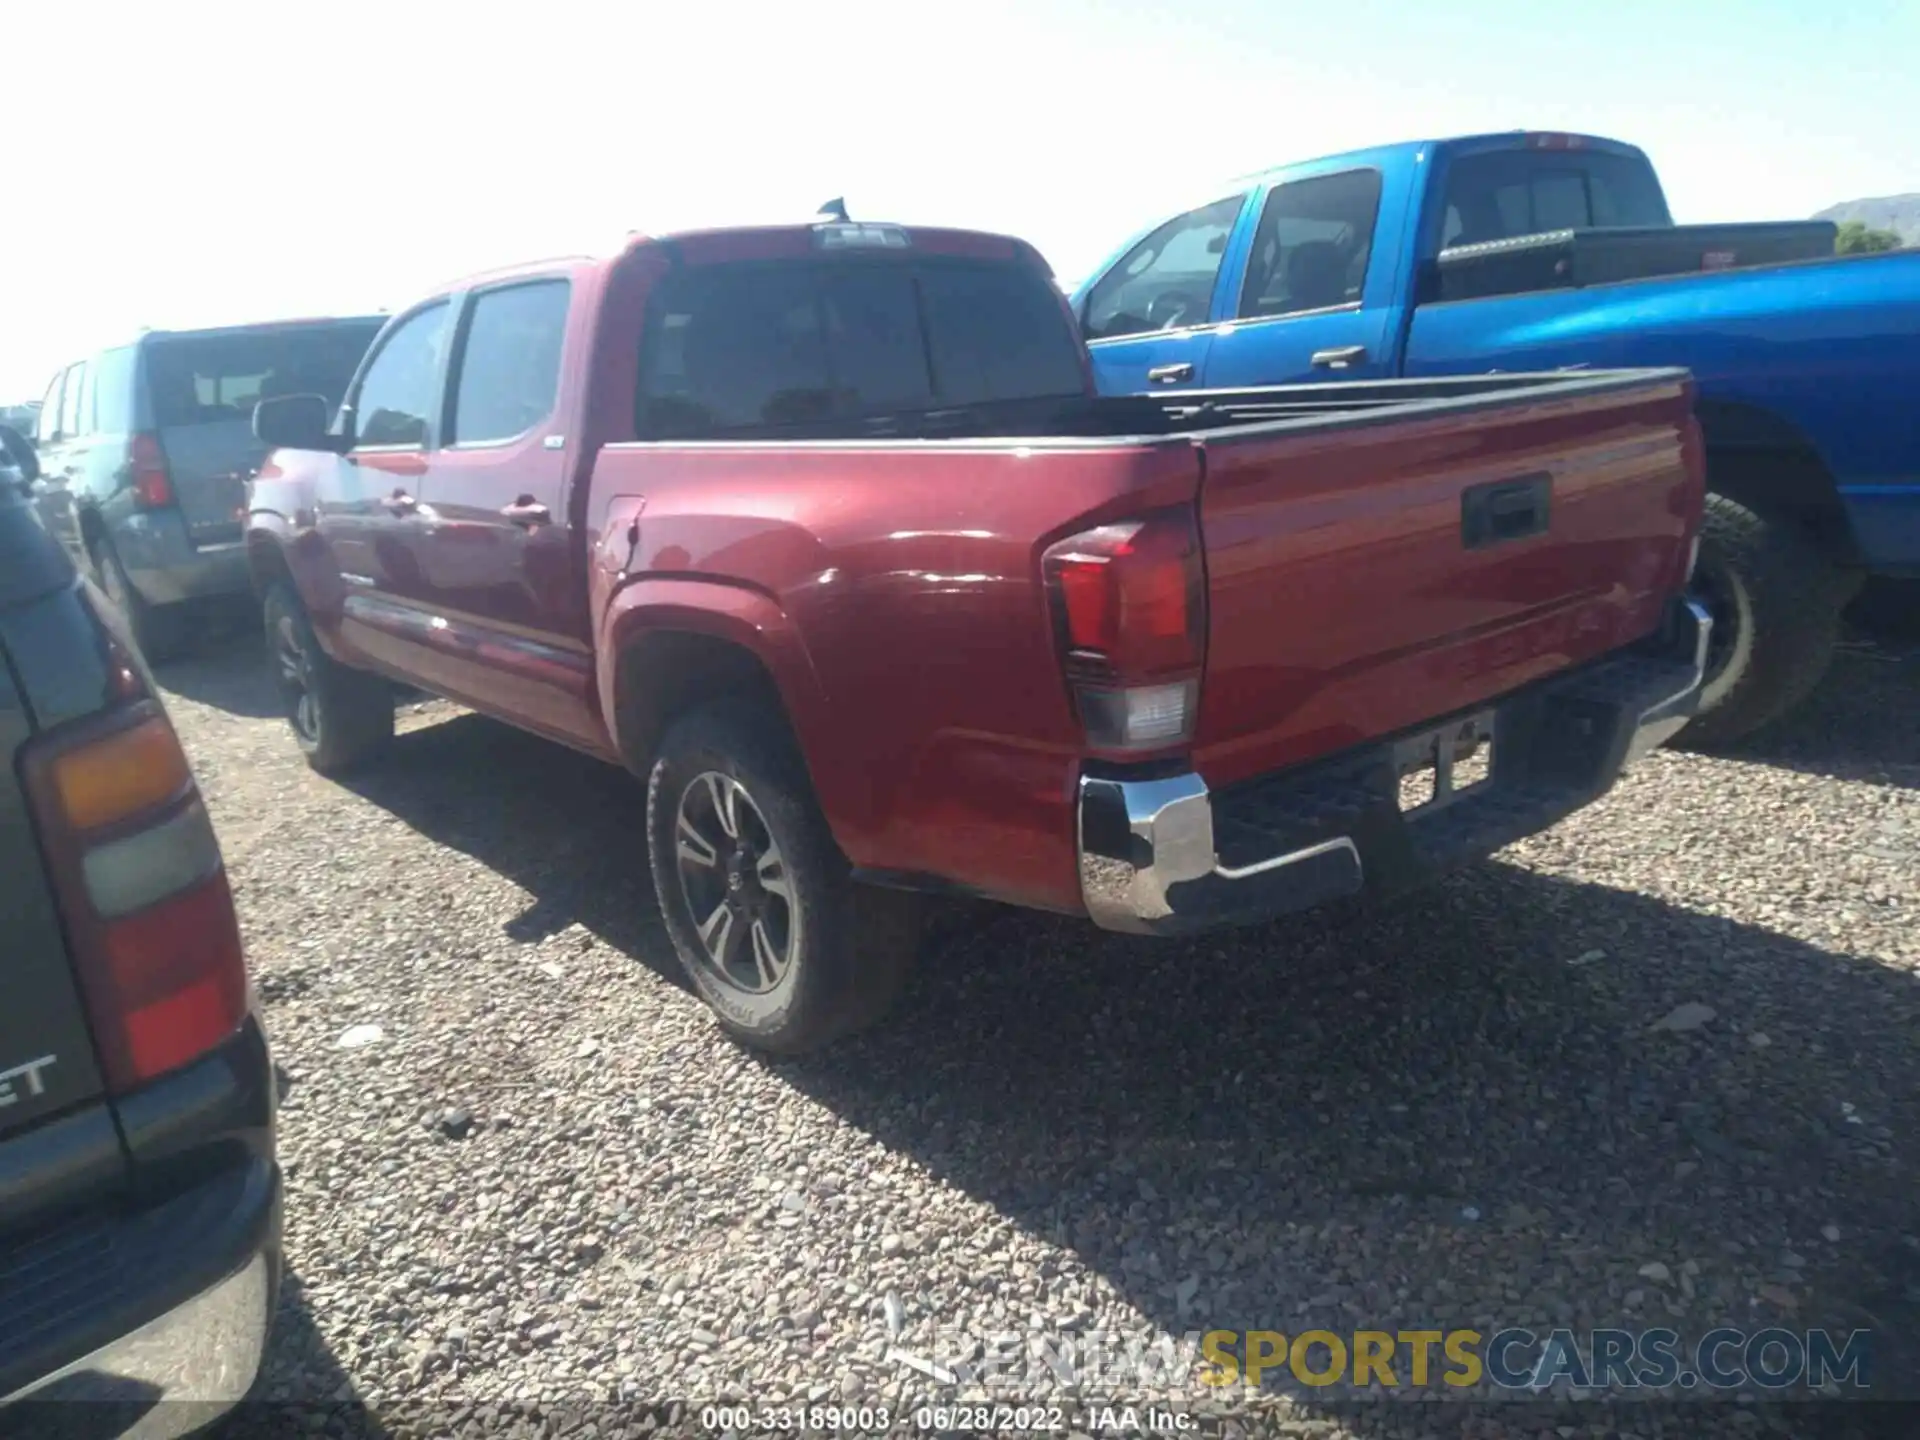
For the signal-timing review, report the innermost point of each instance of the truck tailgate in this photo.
(1373, 571)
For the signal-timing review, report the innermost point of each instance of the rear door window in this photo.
(113, 391)
(219, 376)
(1313, 244)
(72, 402)
(509, 361)
(46, 425)
(737, 347)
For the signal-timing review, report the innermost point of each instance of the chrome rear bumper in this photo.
(1167, 855)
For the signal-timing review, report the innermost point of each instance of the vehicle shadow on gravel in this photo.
(1863, 723)
(229, 673)
(1451, 1113)
(303, 1387)
(568, 829)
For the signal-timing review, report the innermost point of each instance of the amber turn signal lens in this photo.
(121, 775)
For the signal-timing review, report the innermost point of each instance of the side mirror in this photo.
(17, 453)
(298, 422)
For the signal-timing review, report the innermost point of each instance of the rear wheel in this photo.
(341, 718)
(160, 631)
(778, 939)
(1776, 603)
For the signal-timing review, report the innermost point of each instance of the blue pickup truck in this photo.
(1530, 251)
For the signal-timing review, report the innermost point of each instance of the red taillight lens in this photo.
(152, 485)
(177, 984)
(1131, 605)
(149, 917)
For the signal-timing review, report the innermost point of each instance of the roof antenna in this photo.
(834, 209)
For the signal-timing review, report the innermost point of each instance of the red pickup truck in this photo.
(822, 530)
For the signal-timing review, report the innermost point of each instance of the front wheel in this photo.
(341, 718)
(777, 938)
(1776, 603)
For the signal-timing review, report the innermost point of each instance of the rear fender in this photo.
(754, 622)
(1766, 463)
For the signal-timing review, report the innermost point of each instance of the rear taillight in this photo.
(149, 917)
(1130, 607)
(152, 485)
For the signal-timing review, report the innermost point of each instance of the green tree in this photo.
(1859, 238)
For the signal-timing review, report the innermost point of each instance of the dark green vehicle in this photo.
(146, 450)
(139, 1193)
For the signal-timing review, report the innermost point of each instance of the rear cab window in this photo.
(219, 376)
(1501, 194)
(756, 346)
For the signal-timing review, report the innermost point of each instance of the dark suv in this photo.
(146, 450)
(139, 1194)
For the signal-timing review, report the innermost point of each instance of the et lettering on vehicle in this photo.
(24, 1081)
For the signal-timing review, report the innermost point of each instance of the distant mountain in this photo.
(1899, 213)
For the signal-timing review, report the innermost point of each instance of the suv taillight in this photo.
(143, 892)
(1130, 606)
(152, 485)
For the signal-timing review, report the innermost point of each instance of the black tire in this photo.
(159, 630)
(848, 949)
(341, 718)
(1776, 603)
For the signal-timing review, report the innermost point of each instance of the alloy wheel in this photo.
(293, 669)
(735, 882)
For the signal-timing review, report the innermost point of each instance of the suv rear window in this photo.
(206, 379)
(738, 348)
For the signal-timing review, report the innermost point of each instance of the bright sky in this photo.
(218, 162)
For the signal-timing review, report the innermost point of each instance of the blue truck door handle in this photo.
(1170, 374)
(1339, 358)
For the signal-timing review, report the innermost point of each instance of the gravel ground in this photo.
(550, 1177)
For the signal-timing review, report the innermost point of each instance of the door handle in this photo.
(527, 512)
(1339, 357)
(1170, 374)
(401, 503)
(1503, 511)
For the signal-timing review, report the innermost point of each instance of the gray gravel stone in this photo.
(1280, 1127)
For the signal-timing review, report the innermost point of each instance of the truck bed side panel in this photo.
(1346, 603)
(1832, 347)
(943, 743)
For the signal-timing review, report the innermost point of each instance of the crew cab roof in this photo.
(749, 242)
(1374, 155)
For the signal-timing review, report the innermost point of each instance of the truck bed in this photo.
(1199, 414)
(1357, 582)
(1562, 259)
